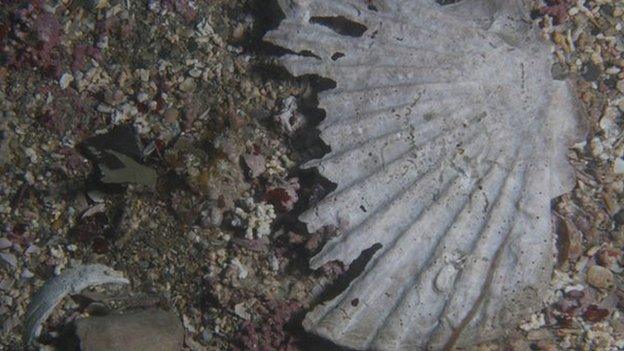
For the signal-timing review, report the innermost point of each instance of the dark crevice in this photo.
(306, 141)
(337, 55)
(314, 188)
(307, 341)
(321, 83)
(308, 53)
(341, 25)
(447, 2)
(344, 280)
(562, 232)
(267, 16)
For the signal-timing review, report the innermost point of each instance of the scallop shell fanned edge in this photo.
(448, 141)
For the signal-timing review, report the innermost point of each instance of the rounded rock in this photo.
(600, 277)
(171, 115)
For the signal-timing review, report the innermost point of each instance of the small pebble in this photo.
(144, 75)
(96, 196)
(613, 70)
(5, 243)
(142, 97)
(195, 72)
(188, 85)
(242, 270)
(255, 163)
(118, 97)
(592, 72)
(241, 311)
(26, 274)
(599, 277)
(171, 115)
(65, 80)
(9, 259)
(618, 166)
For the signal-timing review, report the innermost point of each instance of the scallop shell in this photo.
(448, 141)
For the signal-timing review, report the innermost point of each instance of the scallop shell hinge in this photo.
(448, 141)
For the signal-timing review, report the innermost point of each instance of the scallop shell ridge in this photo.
(448, 141)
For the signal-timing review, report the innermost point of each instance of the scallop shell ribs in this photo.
(448, 141)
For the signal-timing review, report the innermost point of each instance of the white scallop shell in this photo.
(448, 141)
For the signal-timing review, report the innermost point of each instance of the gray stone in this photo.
(5, 243)
(152, 329)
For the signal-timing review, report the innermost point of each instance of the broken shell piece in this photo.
(118, 154)
(130, 172)
(65, 80)
(70, 281)
(256, 164)
(99, 208)
(241, 311)
(447, 134)
(242, 270)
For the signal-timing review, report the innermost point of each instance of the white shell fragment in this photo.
(70, 281)
(448, 141)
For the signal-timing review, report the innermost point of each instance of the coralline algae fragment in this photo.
(259, 218)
